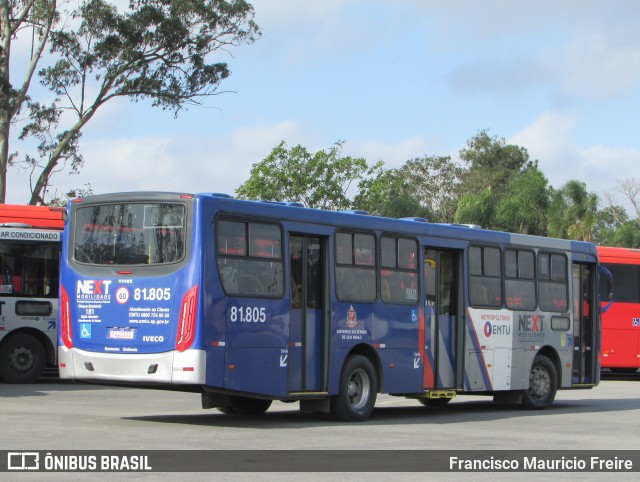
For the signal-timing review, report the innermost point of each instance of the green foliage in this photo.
(573, 212)
(425, 187)
(491, 163)
(435, 181)
(389, 194)
(158, 49)
(497, 184)
(477, 208)
(523, 206)
(318, 180)
(627, 235)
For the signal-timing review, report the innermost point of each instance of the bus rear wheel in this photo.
(252, 407)
(358, 391)
(543, 384)
(22, 359)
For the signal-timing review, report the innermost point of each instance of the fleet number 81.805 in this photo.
(248, 314)
(152, 294)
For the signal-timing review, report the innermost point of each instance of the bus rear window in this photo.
(130, 234)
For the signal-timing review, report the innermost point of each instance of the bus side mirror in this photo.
(606, 284)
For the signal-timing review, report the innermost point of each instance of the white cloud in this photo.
(593, 67)
(220, 163)
(550, 140)
(178, 163)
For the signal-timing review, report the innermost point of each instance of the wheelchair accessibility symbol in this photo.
(85, 330)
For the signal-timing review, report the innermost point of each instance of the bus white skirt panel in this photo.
(187, 367)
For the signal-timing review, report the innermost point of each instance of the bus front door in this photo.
(584, 323)
(306, 327)
(442, 319)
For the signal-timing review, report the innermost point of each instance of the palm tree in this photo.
(573, 212)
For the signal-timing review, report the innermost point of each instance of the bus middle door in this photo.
(442, 318)
(306, 350)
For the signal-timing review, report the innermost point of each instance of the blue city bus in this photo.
(247, 302)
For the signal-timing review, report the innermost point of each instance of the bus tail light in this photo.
(187, 324)
(65, 318)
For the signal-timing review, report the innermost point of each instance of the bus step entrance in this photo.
(440, 394)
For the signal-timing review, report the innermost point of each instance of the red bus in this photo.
(30, 241)
(621, 319)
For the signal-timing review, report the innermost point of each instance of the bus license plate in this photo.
(121, 334)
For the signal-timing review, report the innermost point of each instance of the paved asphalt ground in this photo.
(60, 415)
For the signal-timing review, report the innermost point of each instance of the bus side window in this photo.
(485, 276)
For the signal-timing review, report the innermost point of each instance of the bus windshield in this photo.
(131, 233)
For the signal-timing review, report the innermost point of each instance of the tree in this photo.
(16, 16)
(573, 212)
(477, 208)
(491, 163)
(523, 206)
(614, 228)
(390, 194)
(317, 180)
(495, 173)
(630, 189)
(156, 49)
(435, 181)
(608, 221)
(627, 235)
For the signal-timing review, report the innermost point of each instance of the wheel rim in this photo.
(539, 383)
(21, 359)
(359, 388)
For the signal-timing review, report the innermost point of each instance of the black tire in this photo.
(252, 407)
(435, 402)
(226, 409)
(358, 391)
(624, 371)
(543, 384)
(22, 359)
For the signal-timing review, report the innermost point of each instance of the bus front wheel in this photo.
(543, 384)
(358, 391)
(22, 359)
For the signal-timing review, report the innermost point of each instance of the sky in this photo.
(394, 80)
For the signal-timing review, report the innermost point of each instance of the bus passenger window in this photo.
(355, 270)
(256, 271)
(485, 276)
(398, 277)
(552, 282)
(520, 286)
